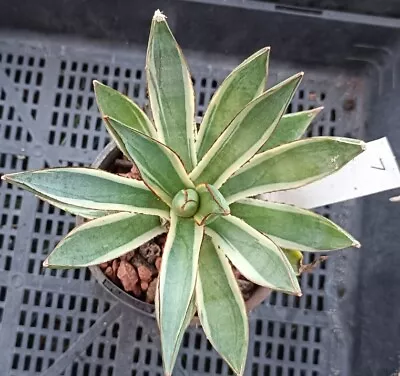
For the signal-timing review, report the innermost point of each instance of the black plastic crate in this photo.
(62, 322)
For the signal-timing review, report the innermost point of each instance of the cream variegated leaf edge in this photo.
(313, 232)
(243, 84)
(186, 322)
(221, 308)
(107, 192)
(173, 107)
(159, 166)
(257, 257)
(114, 104)
(290, 128)
(176, 283)
(78, 211)
(247, 132)
(120, 233)
(290, 166)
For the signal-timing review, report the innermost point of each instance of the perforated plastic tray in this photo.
(62, 322)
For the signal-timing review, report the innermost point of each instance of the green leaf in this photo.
(244, 83)
(221, 308)
(247, 132)
(71, 188)
(291, 227)
(295, 258)
(177, 282)
(291, 166)
(212, 204)
(118, 106)
(188, 318)
(160, 168)
(170, 91)
(290, 128)
(253, 254)
(104, 239)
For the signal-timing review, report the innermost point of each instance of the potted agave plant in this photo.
(196, 186)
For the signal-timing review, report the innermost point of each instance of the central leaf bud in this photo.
(186, 203)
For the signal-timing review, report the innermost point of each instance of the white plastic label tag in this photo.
(374, 170)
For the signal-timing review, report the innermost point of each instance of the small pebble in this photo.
(144, 273)
(109, 273)
(103, 265)
(151, 291)
(128, 276)
(158, 263)
(150, 251)
(115, 265)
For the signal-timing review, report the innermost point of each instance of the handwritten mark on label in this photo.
(381, 167)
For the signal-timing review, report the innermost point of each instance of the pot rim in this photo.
(102, 161)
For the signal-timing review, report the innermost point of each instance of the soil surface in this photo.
(137, 271)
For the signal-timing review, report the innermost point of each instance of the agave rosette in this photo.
(201, 183)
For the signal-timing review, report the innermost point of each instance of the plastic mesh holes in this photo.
(11, 199)
(26, 74)
(75, 120)
(48, 324)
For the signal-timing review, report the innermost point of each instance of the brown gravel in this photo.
(103, 266)
(133, 173)
(128, 256)
(111, 275)
(144, 286)
(246, 287)
(128, 276)
(158, 263)
(151, 291)
(150, 251)
(145, 273)
(115, 266)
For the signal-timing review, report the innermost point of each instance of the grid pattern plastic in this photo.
(61, 322)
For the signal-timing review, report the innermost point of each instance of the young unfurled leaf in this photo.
(253, 254)
(244, 83)
(170, 91)
(221, 308)
(290, 166)
(115, 105)
(290, 128)
(212, 204)
(104, 239)
(291, 227)
(71, 188)
(247, 132)
(177, 282)
(160, 168)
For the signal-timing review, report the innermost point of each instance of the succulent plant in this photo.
(200, 183)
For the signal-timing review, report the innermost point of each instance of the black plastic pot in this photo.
(103, 161)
